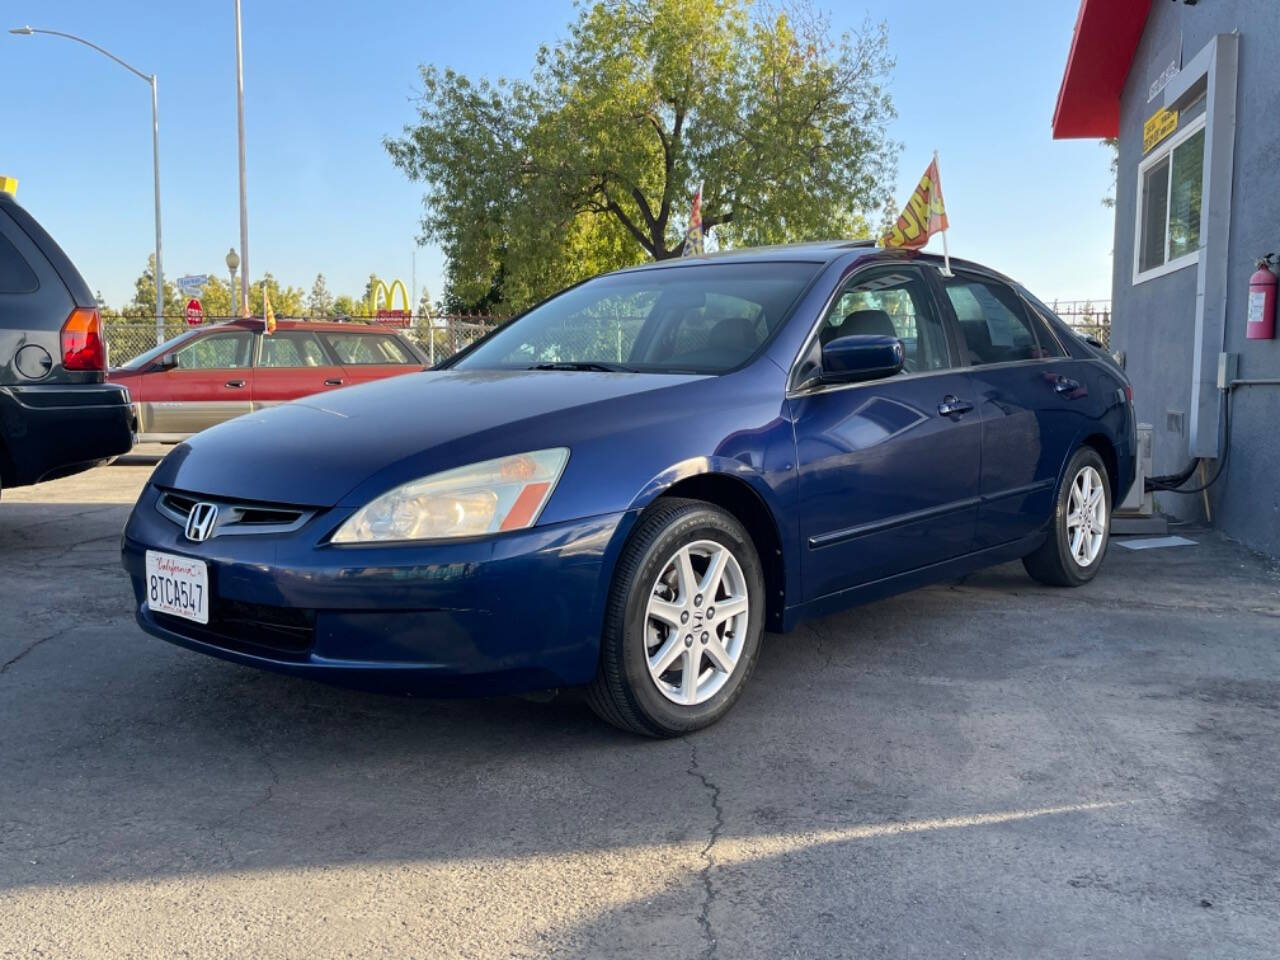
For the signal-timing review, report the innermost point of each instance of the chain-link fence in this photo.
(1092, 318)
(437, 337)
(442, 336)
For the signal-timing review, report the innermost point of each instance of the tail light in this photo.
(82, 344)
(1128, 393)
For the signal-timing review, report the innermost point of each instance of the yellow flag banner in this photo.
(924, 215)
(268, 315)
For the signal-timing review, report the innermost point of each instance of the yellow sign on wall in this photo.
(1161, 124)
(9, 185)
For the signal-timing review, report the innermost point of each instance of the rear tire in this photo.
(670, 661)
(1081, 530)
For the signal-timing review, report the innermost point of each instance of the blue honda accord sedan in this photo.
(623, 488)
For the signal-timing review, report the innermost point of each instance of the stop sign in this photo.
(195, 313)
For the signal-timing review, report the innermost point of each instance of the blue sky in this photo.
(326, 81)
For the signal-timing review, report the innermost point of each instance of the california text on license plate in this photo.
(178, 586)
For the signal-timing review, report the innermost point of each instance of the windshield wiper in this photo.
(589, 365)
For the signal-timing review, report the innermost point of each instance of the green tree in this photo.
(592, 162)
(320, 302)
(285, 301)
(215, 297)
(365, 307)
(104, 310)
(1112, 144)
(143, 303)
(346, 306)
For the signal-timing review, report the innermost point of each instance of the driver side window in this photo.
(893, 302)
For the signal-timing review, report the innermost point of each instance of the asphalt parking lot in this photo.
(982, 769)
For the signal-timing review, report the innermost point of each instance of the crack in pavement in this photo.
(708, 886)
(106, 508)
(818, 630)
(217, 828)
(4, 668)
(270, 788)
(75, 547)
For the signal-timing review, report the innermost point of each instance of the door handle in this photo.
(1065, 385)
(953, 406)
(235, 384)
(333, 382)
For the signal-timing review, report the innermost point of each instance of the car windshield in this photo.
(706, 318)
(145, 359)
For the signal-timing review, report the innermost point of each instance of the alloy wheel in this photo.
(696, 622)
(1086, 516)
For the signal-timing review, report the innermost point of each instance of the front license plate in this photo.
(178, 586)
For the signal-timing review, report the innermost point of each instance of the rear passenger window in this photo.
(16, 276)
(994, 325)
(367, 348)
(291, 350)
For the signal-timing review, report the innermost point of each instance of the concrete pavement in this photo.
(982, 769)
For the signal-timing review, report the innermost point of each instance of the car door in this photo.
(1028, 401)
(370, 354)
(292, 364)
(203, 382)
(888, 469)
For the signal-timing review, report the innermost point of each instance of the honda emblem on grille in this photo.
(201, 521)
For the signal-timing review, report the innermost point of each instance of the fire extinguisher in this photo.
(1262, 301)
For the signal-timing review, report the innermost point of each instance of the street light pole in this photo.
(244, 215)
(155, 165)
(233, 262)
(155, 151)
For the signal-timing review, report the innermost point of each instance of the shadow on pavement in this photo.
(127, 761)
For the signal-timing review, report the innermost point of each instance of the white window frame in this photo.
(1163, 152)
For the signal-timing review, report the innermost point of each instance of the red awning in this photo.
(1107, 35)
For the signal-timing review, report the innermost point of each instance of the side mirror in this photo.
(167, 362)
(861, 357)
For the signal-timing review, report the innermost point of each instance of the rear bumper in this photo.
(513, 613)
(55, 430)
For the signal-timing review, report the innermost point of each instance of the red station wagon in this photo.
(211, 374)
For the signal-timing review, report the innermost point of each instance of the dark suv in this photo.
(57, 414)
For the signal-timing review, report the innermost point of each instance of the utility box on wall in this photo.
(1139, 501)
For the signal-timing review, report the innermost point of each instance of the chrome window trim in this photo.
(976, 367)
(820, 388)
(1008, 364)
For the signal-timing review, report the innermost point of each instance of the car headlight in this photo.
(497, 495)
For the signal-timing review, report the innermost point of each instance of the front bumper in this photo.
(52, 430)
(506, 614)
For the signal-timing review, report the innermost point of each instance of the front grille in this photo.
(234, 518)
(252, 628)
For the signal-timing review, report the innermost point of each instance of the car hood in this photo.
(314, 451)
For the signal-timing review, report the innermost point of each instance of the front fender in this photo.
(701, 466)
(775, 493)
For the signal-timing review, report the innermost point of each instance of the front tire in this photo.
(683, 624)
(1081, 525)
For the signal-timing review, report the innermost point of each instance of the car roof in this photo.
(331, 326)
(822, 251)
(817, 252)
